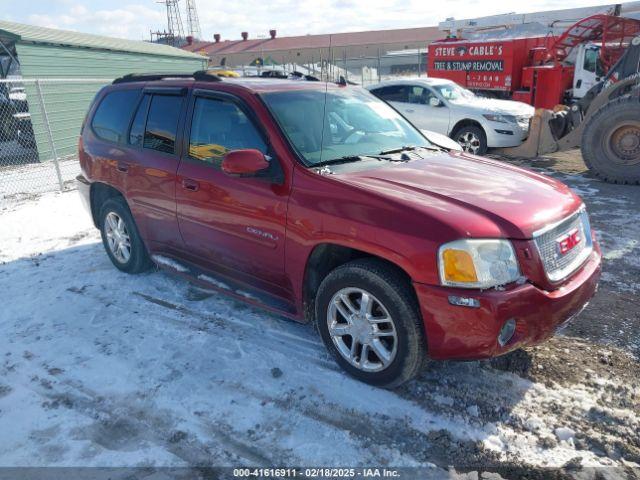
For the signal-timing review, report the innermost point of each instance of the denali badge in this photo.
(567, 241)
(260, 233)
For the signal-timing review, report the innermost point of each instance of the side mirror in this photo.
(435, 102)
(247, 162)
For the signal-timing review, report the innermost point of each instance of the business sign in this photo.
(469, 65)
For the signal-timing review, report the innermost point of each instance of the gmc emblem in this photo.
(567, 241)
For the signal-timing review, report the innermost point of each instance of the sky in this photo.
(135, 18)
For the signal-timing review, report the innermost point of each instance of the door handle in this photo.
(122, 167)
(190, 185)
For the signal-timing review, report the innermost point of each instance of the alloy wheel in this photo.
(469, 141)
(362, 329)
(118, 237)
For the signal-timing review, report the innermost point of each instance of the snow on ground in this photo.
(101, 368)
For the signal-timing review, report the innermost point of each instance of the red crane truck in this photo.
(542, 71)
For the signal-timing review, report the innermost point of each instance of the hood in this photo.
(474, 195)
(492, 105)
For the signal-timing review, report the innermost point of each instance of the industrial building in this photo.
(312, 49)
(382, 49)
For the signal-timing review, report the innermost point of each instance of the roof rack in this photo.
(200, 75)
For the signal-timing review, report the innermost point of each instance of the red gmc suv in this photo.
(322, 203)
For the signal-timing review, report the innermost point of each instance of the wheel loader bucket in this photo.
(540, 140)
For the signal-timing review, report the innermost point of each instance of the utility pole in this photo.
(175, 33)
(193, 23)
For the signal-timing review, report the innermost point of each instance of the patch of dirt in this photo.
(569, 360)
(563, 162)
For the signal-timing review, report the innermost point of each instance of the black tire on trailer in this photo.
(391, 327)
(26, 138)
(7, 129)
(611, 141)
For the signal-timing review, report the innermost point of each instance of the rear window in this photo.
(162, 123)
(111, 120)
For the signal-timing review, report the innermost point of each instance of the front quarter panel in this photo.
(323, 210)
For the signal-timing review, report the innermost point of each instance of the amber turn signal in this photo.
(458, 266)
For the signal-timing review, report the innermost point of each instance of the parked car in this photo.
(322, 203)
(444, 107)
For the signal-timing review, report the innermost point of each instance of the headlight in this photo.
(477, 263)
(500, 118)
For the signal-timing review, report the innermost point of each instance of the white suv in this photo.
(442, 106)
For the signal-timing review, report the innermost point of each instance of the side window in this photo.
(590, 60)
(393, 93)
(111, 120)
(136, 135)
(162, 123)
(219, 126)
(420, 95)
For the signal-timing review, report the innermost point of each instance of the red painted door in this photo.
(236, 224)
(151, 166)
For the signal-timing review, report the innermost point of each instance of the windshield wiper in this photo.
(407, 148)
(347, 159)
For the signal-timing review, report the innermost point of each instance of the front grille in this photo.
(557, 265)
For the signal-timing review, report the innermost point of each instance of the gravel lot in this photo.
(98, 368)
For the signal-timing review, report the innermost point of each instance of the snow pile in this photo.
(101, 368)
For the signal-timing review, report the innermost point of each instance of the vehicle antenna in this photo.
(324, 107)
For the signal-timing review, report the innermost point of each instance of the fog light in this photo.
(464, 301)
(506, 332)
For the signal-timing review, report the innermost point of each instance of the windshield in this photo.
(355, 123)
(454, 93)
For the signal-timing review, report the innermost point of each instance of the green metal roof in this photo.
(30, 33)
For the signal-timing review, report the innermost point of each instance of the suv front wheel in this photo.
(121, 239)
(368, 319)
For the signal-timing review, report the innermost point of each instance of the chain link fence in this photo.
(330, 65)
(40, 122)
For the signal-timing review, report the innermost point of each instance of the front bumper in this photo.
(460, 332)
(505, 134)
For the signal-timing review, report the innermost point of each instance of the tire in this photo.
(472, 139)
(391, 297)
(7, 129)
(611, 141)
(27, 142)
(26, 138)
(137, 260)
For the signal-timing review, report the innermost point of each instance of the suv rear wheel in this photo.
(121, 239)
(369, 321)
